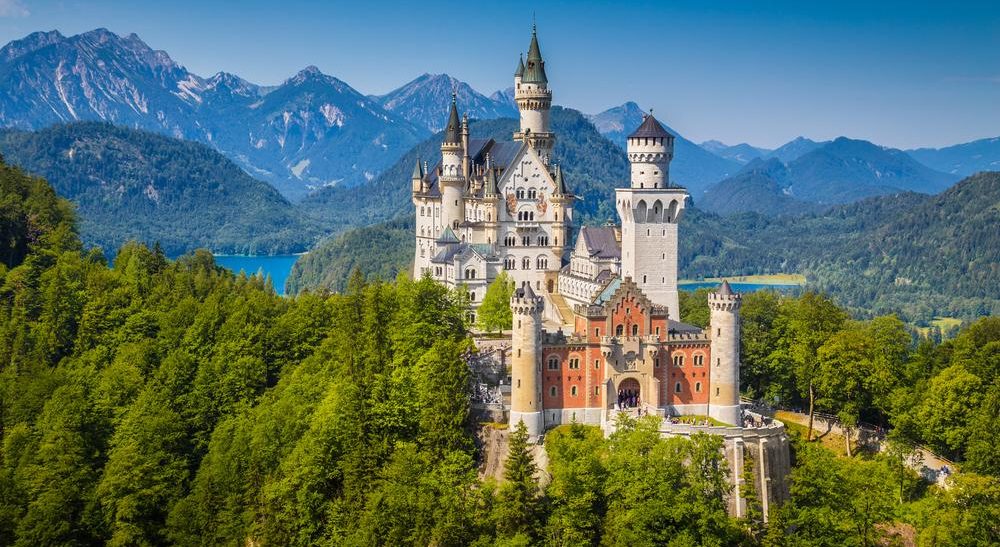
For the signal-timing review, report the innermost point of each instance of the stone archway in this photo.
(629, 393)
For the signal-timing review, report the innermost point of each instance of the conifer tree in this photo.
(517, 509)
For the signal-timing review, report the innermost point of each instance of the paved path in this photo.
(928, 465)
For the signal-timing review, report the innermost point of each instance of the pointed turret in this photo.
(491, 182)
(519, 73)
(534, 70)
(725, 289)
(418, 171)
(453, 131)
(560, 182)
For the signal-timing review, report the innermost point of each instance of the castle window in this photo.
(542, 263)
(552, 391)
(657, 331)
(532, 193)
(525, 263)
(678, 360)
(526, 241)
(718, 361)
(597, 390)
(697, 387)
(472, 298)
(509, 263)
(699, 360)
(716, 392)
(643, 279)
(619, 330)
(520, 193)
(677, 387)
(557, 216)
(718, 332)
(597, 332)
(543, 240)
(510, 240)
(647, 231)
(554, 363)
(635, 330)
(597, 363)
(572, 391)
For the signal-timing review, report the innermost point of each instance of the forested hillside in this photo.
(162, 402)
(134, 185)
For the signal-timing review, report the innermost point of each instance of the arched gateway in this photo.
(629, 395)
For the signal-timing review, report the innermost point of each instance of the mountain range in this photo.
(312, 130)
(425, 101)
(841, 171)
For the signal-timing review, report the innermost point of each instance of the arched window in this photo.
(635, 330)
(543, 240)
(572, 391)
(531, 215)
(678, 360)
(509, 263)
(520, 193)
(526, 241)
(553, 363)
(542, 263)
(699, 360)
(532, 193)
(677, 387)
(525, 263)
(510, 240)
(697, 387)
(619, 330)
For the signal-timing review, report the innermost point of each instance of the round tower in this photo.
(526, 361)
(650, 149)
(534, 100)
(452, 177)
(724, 399)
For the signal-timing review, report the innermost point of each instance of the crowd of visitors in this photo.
(628, 398)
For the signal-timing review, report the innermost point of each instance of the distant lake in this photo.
(738, 287)
(278, 267)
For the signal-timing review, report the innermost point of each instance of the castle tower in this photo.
(724, 378)
(649, 211)
(562, 210)
(526, 361)
(534, 99)
(453, 166)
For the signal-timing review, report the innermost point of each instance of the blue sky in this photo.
(903, 74)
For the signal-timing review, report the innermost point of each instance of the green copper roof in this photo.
(448, 236)
(418, 171)
(454, 127)
(520, 66)
(534, 71)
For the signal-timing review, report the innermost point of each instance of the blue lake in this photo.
(738, 287)
(278, 267)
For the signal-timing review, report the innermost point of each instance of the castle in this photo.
(600, 335)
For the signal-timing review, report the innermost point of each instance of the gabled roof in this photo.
(601, 242)
(650, 128)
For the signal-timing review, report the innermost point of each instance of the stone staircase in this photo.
(563, 307)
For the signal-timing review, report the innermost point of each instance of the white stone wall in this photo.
(649, 241)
